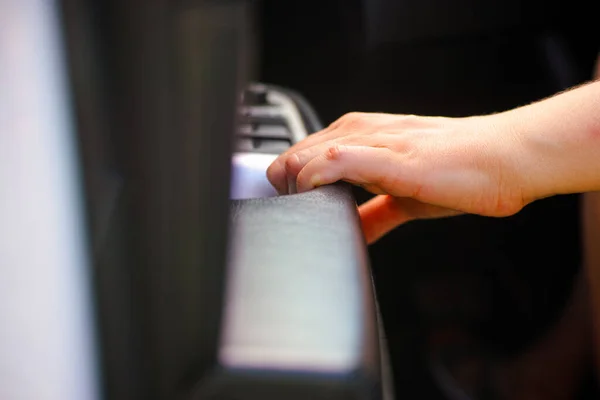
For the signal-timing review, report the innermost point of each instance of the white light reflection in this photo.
(46, 331)
(248, 176)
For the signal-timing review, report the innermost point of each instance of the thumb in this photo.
(383, 213)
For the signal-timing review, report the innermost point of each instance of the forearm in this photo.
(558, 142)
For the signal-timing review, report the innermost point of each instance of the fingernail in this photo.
(315, 181)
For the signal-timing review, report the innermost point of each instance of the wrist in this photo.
(556, 144)
(507, 157)
(526, 153)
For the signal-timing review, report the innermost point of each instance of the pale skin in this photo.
(430, 167)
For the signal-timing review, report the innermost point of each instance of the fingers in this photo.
(279, 175)
(380, 215)
(363, 165)
(352, 128)
(383, 213)
(277, 172)
(295, 162)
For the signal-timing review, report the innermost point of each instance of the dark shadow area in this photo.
(505, 281)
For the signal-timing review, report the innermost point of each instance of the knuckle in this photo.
(334, 153)
(291, 163)
(406, 148)
(345, 119)
(353, 115)
(352, 118)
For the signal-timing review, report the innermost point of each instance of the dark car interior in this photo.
(207, 285)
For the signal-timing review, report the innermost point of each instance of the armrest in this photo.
(300, 319)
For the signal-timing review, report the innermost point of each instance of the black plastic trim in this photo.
(301, 318)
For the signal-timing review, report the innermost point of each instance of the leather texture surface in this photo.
(300, 299)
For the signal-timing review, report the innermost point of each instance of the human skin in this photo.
(430, 167)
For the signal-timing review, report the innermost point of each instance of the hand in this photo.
(422, 167)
